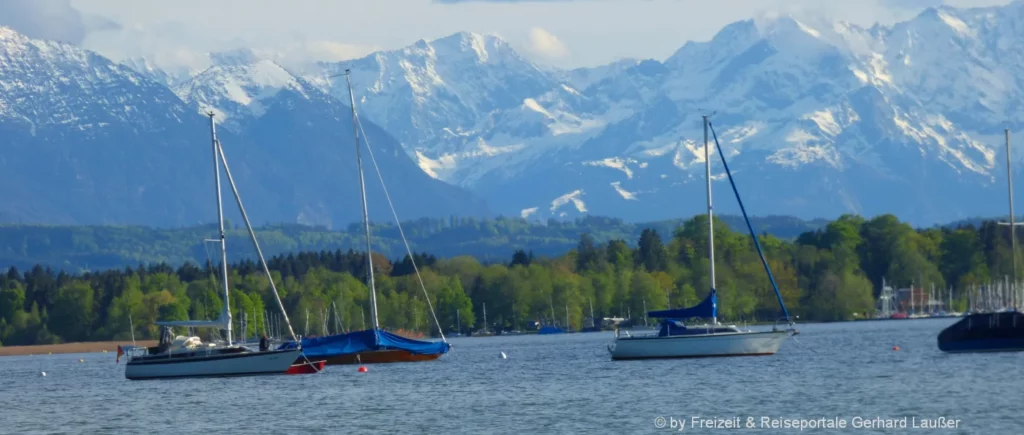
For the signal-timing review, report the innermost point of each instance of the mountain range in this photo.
(817, 118)
(90, 141)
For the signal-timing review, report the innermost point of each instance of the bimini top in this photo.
(708, 308)
(368, 340)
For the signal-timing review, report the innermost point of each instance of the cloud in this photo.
(911, 5)
(597, 31)
(543, 43)
(451, 2)
(51, 19)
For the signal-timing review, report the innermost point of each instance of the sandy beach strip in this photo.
(45, 349)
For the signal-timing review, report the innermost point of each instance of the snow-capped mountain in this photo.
(167, 77)
(818, 118)
(87, 141)
(236, 92)
(303, 138)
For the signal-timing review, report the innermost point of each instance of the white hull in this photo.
(696, 346)
(241, 364)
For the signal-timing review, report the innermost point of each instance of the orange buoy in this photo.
(362, 369)
(895, 348)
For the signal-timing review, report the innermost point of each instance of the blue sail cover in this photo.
(550, 330)
(363, 341)
(706, 309)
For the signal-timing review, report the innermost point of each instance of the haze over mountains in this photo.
(817, 119)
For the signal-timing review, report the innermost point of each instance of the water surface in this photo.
(548, 384)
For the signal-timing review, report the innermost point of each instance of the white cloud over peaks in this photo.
(544, 43)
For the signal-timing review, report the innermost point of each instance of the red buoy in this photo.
(895, 348)
(362, 369)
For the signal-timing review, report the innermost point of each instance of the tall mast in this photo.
(551, 302)
(1013, 226)
(1011, 223)
(711, 224)
(366, 213)
(225, 312)
(592, 319)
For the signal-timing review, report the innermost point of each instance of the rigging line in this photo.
(256, 244)
(750, 227)
(408, 250)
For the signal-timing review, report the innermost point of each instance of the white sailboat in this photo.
(486, 330)
(678, 340)
(189, 357)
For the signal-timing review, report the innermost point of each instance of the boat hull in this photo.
(306, 368)
(381, 357)
(992, 345)
(697, 346)
(238, 364)
(984, 332)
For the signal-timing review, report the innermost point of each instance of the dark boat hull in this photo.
(984, 332)
(1010, 345)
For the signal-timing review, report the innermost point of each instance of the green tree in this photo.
(72, 314)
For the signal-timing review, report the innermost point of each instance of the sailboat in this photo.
(675, 339)
(458, 326)
(552, 328)
(189, 357)
(373, 345)
(485, 331)
(593, 320)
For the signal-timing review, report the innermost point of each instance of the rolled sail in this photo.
(708, 308)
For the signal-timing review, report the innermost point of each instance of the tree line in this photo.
(830, 274)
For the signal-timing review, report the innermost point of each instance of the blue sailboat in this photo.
(373, 345)
(675, 339)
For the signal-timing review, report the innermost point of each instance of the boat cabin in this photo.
(673, 327)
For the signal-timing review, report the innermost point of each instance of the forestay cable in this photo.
(750, 227)
(408, 250)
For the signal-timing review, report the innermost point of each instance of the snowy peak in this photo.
(167, 77)
(238, 92)
(47, 83)
(480, 48)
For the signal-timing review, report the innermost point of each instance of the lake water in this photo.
(548, 384)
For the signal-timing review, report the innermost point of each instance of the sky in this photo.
(556, 33)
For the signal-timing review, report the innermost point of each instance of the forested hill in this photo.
(81, 248)
(828, 274)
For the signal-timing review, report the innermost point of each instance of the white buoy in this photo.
(43, 373)
(81, 360)
(503, 356)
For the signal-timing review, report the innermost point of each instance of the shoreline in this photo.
(82, 347)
